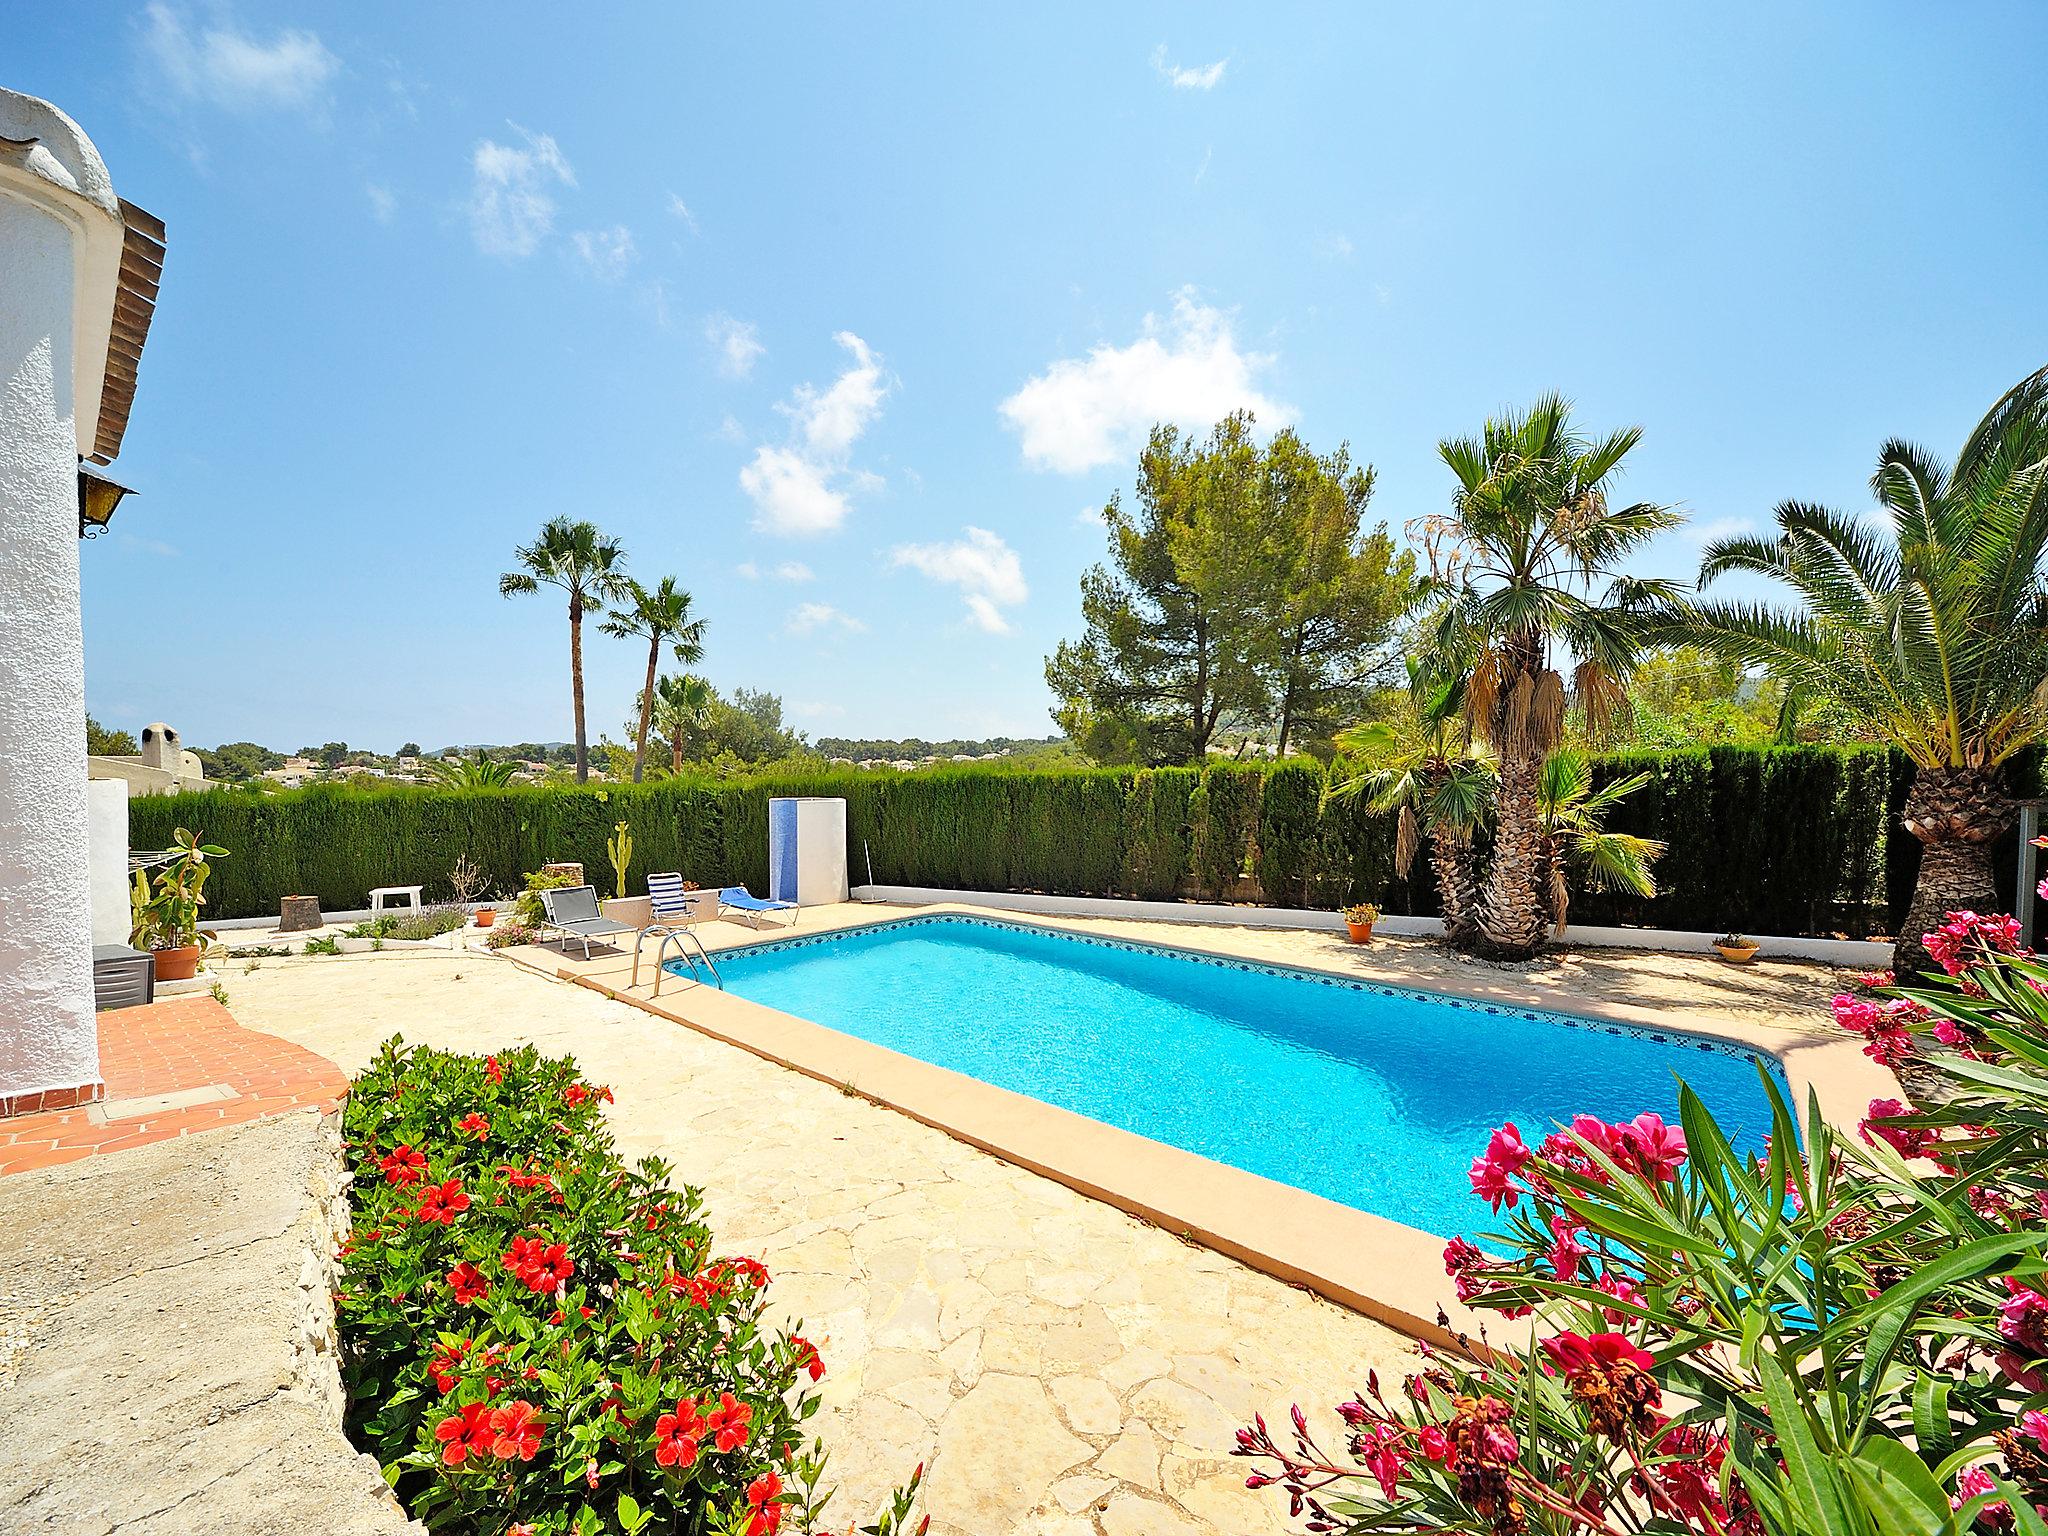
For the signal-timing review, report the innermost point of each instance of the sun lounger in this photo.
(571, 910)
(737, 900)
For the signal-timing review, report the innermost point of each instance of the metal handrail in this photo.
(679, 936)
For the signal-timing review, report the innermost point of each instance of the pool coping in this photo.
(1372, 1264)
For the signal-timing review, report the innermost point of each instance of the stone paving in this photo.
(1064, 1369)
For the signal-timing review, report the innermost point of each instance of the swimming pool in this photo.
(1373, 1096)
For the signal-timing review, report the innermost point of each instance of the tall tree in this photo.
(1932, 635)
(1525, 565)
(1241, 592)
(1161, 666)
(681, 706)
(573, 556)
(102, 742)
(1333, 592)
(1576, 840)
(660, 615)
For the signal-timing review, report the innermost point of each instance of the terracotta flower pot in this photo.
(1361, 933)
(1736, 954)
(180, 964)
(485, 916)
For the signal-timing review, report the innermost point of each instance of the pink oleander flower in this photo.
(1565, 1248)
(1623, 1290)
(1383, 1451)
(1655, 1150)
(1505, 1156)
(1967, 938)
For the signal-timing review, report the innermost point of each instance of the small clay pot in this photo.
(180, 964)
(1736, 954)
(485, 916)
(1361, 933)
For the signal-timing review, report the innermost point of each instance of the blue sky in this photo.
(847, 315)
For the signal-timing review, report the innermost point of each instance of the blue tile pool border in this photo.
(1684, 1038)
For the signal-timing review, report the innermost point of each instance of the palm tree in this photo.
(680, 706)
(1514, 571)
(591, 568)
(480, 772)
(1438, 782)
(1932, 636)
(659, 615)
(1576, 844)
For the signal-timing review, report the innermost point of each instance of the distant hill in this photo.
(917, 749)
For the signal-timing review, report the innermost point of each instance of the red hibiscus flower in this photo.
(807, 1357)
(763, 1498)
(676, 1435)
(465, 1434)
(447, 1360)
(404, 1165)
(468, 1283)
(474, 1124)
(492, 1070)
(517, 1427)
(443, 1202)
(576, 1094)
(728, 1422)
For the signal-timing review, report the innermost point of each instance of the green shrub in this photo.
(1770, 840)
(534, 1333)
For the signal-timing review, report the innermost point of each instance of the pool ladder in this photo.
(690, 949)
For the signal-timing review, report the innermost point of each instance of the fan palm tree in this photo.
(681, 704)
(1931, 635)
(659, 615)
(480, 772)
(591, 568)
(1577, 845)
(1438, 783)
(1523, 567)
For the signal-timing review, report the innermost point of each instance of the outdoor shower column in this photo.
(60, 253)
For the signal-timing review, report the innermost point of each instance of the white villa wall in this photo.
(106, 809)
(60, 244)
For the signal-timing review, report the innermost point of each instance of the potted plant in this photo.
(167, 914)
(1358, 921)
(1736, 948)
(467, 881)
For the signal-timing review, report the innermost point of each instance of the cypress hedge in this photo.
(1771, 840)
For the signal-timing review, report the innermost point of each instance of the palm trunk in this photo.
(646, 708)
(1512, 908)
(1957, 813)
(576, 686)
(1457, 883)
(675, 752)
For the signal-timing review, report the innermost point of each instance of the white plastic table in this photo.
(411, 893)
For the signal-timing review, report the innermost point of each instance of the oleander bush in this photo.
(537, 1338)
(1842, 1336)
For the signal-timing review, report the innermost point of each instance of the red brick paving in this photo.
(186, 1042)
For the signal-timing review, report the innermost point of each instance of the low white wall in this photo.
(1847, 952)
(106, 826)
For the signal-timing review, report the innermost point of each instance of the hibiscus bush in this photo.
(1841, 1335)
(539, 1339)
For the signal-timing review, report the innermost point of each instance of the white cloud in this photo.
(802, 486)
(681, 210)
(788, 570)
(730, 429)
(807, 618)
(1091, 516)
(230, 68)
(1205, 77)
(511, 202)
(383, 205)
(736, 342)
(1084, 412)
(982, 566)
(831, 420)
(791, 493)
(607, 252)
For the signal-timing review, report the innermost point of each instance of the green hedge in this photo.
(1772, 840)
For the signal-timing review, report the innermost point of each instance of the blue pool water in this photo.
(1371, 1096)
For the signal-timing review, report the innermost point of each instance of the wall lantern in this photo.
(98, 494)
